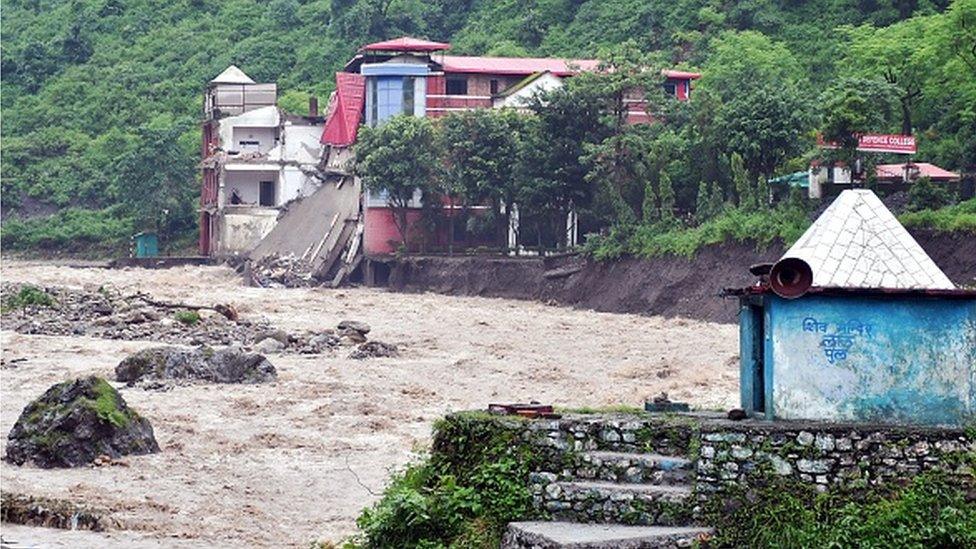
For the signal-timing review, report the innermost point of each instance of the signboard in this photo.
(879, 142)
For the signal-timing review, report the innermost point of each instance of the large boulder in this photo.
(227, 365)
(75, 422)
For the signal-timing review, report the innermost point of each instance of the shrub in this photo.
(189, 318)
(926, 195)
(462, 495)
(928, 512)
(959, 217)
(27, 296)
(784, 223)
(69, 230)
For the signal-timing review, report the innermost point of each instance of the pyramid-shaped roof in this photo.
(858, 243)
(232, 75)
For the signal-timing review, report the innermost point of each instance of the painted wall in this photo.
(380, 233)
(907, 359)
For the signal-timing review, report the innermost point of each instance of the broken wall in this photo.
(241, 228)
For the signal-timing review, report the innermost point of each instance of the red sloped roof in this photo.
(532, 65)
(924, 170)
(406, 43)
(514, 65)
(345, 110)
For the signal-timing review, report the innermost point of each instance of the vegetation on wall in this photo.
(928, 511)
(102, 98)
(462, 495)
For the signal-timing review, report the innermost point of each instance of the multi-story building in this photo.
(416, 77)
(256, 159)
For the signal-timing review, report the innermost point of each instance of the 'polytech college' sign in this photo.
(879, 142)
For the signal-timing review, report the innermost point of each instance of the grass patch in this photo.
(958, 217)
(784, 223)
(187, 318)
(29, 296)
(612, 409)
(106, 404)
(928, 512)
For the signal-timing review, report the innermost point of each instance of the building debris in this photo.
(532, 409)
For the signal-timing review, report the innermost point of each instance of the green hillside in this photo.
(101, 98)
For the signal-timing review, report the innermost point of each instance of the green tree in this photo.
(852, 107)
(480, 148)
(716, 200)
(902, 54)
(926, 195)
(702, 210)
(766, 125)
(650, 210)
(740, 181)
(398, 159)
(666, 195)
(156, 181)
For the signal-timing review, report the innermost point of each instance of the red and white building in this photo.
(417, 77)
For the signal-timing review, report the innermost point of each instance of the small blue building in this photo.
(856, 323)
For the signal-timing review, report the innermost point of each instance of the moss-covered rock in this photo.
(228, 365)
(76, 421)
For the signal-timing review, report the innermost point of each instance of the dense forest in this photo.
(102, 98)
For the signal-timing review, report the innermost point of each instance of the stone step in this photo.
(625, 503)
(566, 535)
(630, 467)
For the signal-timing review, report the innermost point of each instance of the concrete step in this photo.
(625, 503)
(630, 467)
(566, 535)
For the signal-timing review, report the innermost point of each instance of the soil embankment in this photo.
(668, 285)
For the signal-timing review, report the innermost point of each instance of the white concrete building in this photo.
(255, 162)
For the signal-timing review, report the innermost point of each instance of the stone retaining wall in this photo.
(734, 453)
(847, 455)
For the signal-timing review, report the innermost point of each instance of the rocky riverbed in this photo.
(107, 313)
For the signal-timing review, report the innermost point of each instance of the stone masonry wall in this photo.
(826, 454)
(725, 453)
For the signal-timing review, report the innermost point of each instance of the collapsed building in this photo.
(256, 159)
(857, 323)
(279, 185)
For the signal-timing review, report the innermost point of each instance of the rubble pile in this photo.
(107, 313)
(74, 423)
(288, 271)
(228, 365)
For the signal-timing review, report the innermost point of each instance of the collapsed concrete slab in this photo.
(321, 231)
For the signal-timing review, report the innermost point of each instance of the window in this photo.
(267, 196)
(390, 96)
(493, 85)
(408, 85)
(457, 85)
(671, 89)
